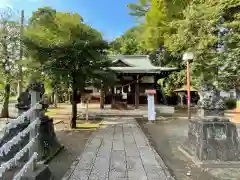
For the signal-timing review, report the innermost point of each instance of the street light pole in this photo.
(187, 57)
(188, 89)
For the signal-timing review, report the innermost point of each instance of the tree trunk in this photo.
(52, 98)
(5, 111)
(238, 99)
(82, 100)
(74, 103)
(163, 96)
(102, 97)
(69, 97)
(55, 99)
(181, 100)
(74, 114)
(19, 88)
(87, 110)
(113, 98)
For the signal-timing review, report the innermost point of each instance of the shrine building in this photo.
(135, 74)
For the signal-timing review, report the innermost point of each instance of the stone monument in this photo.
(210, 102)
(24, 102)
(36, 90)
(48, 143)
(212, 139)
(151, 104)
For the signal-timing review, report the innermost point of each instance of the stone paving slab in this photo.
(120, 151)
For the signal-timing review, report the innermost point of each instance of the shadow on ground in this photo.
(74, 143)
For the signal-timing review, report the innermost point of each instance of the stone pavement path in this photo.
(120, 151)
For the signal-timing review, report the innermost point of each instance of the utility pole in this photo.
(20, 81)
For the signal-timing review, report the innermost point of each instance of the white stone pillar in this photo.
(151, 105)
(35, 97)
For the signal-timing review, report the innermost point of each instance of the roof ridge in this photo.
(137, 55)
(122, 56)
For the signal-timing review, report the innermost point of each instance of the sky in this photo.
(110, 17)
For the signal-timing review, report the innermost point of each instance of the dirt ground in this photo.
(73, 141)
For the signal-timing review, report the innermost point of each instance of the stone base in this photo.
(42, 172)
(164, 109)
(212, 139)
(150, 122)
(207, 163)
(210, 112)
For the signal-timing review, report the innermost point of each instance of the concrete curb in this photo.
(158, 157)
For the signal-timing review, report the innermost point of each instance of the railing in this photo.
(30, 147)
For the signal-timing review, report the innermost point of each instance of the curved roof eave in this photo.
(142, 70)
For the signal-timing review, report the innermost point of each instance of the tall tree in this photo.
(157, 28)
(199, 31)
(129, 43)
(194, 26)
(158, 21)
(140, 8)
(229, 69)
(9, 52)
(68, 48)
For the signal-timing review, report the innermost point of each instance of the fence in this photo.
(30, 147)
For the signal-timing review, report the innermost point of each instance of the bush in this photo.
(230, 103)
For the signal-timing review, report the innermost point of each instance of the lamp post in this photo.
(187, 57)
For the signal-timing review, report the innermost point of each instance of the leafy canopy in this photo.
(66, 46)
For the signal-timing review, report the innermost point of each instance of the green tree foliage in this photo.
(139, 9)
(43, 16)
(158, 20)
(129, 43)
(229, 58)
(199, 31)
(66, 48)
(194, 25)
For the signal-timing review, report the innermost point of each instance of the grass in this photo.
(50, 113)
(59, 114)
(13, 98)
(87, 125)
